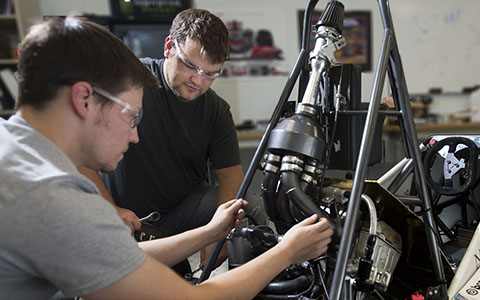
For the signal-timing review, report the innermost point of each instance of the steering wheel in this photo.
(456, 164)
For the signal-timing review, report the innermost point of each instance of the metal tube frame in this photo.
(389, 60)
(360, 171)
(402, 101)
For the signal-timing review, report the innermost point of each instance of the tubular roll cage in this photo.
(388, 61)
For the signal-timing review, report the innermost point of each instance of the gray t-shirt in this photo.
(56, 232)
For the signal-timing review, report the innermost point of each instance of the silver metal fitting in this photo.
(271, 168)
(291, 167)
(292, 159)
(273, 157)
(307, 178)
(305, 109)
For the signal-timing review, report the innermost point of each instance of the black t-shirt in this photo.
(176, 138)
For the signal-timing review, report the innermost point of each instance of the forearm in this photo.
(153, 280)
(227, 192)
(255, 275)
(173, 249)
(229, 180)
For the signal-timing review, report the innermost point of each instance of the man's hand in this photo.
(307, 239)
(129, 218)
(227, 216)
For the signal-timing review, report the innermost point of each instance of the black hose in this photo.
(259, 234)
(295, 284)
(287, 286)
(284, 207)
(269, 192)
(280, 289)
(299, 198)
(296, 213)
(305, 186)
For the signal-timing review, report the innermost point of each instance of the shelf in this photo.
(13, 27)
(249, 134)
(434, 127)
(8, 61)
(7, 17)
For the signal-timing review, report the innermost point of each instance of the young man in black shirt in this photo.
(185, 126)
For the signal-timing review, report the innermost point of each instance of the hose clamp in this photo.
(271, 168)
(273, 158)
(307, 178)
(291, 167)
(292, 159)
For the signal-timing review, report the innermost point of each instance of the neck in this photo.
(54, 124)
(166, 65)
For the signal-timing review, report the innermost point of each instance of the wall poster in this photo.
(357, 32)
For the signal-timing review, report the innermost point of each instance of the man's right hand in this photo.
(307, 239)
(129, 218)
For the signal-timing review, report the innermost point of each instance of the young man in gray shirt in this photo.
(80, 101)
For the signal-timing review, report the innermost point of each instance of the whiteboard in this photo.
(439, 42)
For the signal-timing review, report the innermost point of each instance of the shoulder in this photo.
(80, 220)
(148, 61)
(36, 162)
(153, 64)
(213, 99)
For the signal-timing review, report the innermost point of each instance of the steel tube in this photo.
(362, 161)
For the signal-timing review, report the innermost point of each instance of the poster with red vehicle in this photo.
(253, 47)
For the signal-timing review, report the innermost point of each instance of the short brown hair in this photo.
(203, 26)
(64, 51)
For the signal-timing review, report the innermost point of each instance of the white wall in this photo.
(255, 98)
(67, 7)
(439, 42)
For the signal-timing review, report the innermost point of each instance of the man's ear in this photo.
(167, 47)
(82, 98)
